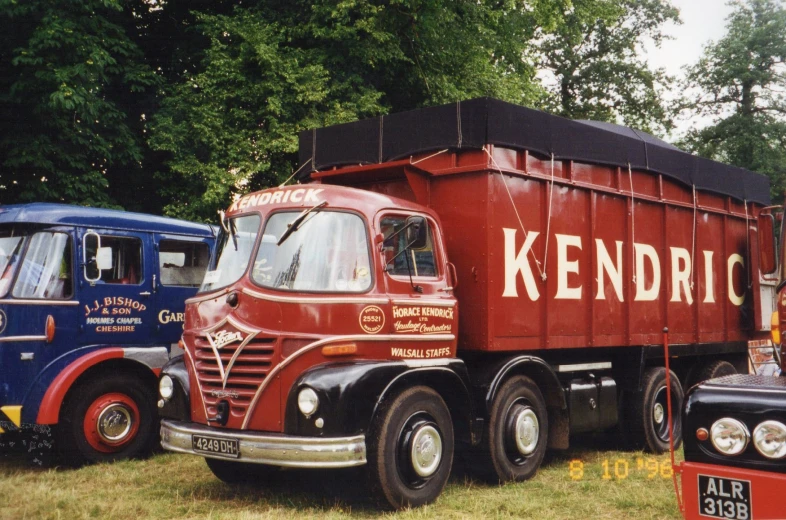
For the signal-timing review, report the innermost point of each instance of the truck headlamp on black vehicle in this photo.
(729, 436)
(166, 387)
(307, 402)
(769, 438)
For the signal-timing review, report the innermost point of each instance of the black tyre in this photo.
(713, 369)
(234, 472)
(410, 449)
(109, 418)
(514, 443)
(645, 413)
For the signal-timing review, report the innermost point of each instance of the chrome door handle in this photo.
(145, 293)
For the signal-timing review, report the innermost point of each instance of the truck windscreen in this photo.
(235, 244)
(328, 253)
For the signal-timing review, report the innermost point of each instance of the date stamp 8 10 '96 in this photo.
(620, 469)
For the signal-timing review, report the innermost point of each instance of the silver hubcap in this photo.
(526, 431)
(426, 450)
(657, 413)
(114, 423)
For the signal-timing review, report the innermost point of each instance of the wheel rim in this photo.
(426, 450)
(522, 432)
(111, 422)
(420, 450)
(659, 420)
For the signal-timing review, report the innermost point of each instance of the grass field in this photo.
(180, 486)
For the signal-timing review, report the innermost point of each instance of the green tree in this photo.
(70, 78)
(740, 85)
(275, 68)
(598, 71)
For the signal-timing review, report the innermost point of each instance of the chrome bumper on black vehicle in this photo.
(267, 448)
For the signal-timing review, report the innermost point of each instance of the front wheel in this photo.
(106, 419)
(411, 451)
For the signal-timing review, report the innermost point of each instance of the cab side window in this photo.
(46, 270)
(126, 260)
(398, 260)
(181, 263)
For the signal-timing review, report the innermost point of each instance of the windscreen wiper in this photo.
(295, 224)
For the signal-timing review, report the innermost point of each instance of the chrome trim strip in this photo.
(603, 365)
(309, 299)
(271, 448)
(38, 302)
(331, 339)
(438, 362)
(7, 339)
(432, 303)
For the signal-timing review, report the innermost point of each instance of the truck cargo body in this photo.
(476, 274)
(688, 270)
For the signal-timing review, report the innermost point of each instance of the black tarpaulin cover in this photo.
(481, 121)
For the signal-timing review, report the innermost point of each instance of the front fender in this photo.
(178, 406)
(350, 394)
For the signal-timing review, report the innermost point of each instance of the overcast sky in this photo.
(702, 21)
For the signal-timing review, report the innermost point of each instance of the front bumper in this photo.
(273, 449)
(765, 489)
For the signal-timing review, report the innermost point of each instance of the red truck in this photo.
(327, 334)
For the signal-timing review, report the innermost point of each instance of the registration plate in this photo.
(216, 446)
(724, 498)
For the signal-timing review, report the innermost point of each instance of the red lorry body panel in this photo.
(764, 488)
(591, 208)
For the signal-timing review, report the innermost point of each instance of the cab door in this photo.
(424, 311)
(116, 279)
(181, 263)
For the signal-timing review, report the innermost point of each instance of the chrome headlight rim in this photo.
(307, 401)
(757, 432)
(166, 387)
(733, 423)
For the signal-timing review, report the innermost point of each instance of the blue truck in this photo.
(91, 308)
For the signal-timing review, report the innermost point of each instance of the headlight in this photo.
(308, 402)
(729, 436)
(770, 439)
(166, 387)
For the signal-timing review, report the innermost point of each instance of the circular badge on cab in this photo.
(372, 319)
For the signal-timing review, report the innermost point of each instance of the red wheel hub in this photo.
(111, 422)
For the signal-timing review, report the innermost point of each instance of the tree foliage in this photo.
(599, 72)
(740, 84)
(176, 106)
(274, 69)
(70, 73)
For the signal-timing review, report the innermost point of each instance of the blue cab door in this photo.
(117, 303)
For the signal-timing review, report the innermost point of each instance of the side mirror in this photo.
(104, 258)
(768, 259)
(417, 232)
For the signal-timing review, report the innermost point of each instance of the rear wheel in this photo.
(234, 472)
(411, 449)
(514, 443)
(711, 370)
(106, 419)
(646, 412)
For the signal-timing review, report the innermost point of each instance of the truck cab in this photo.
(91, 305)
